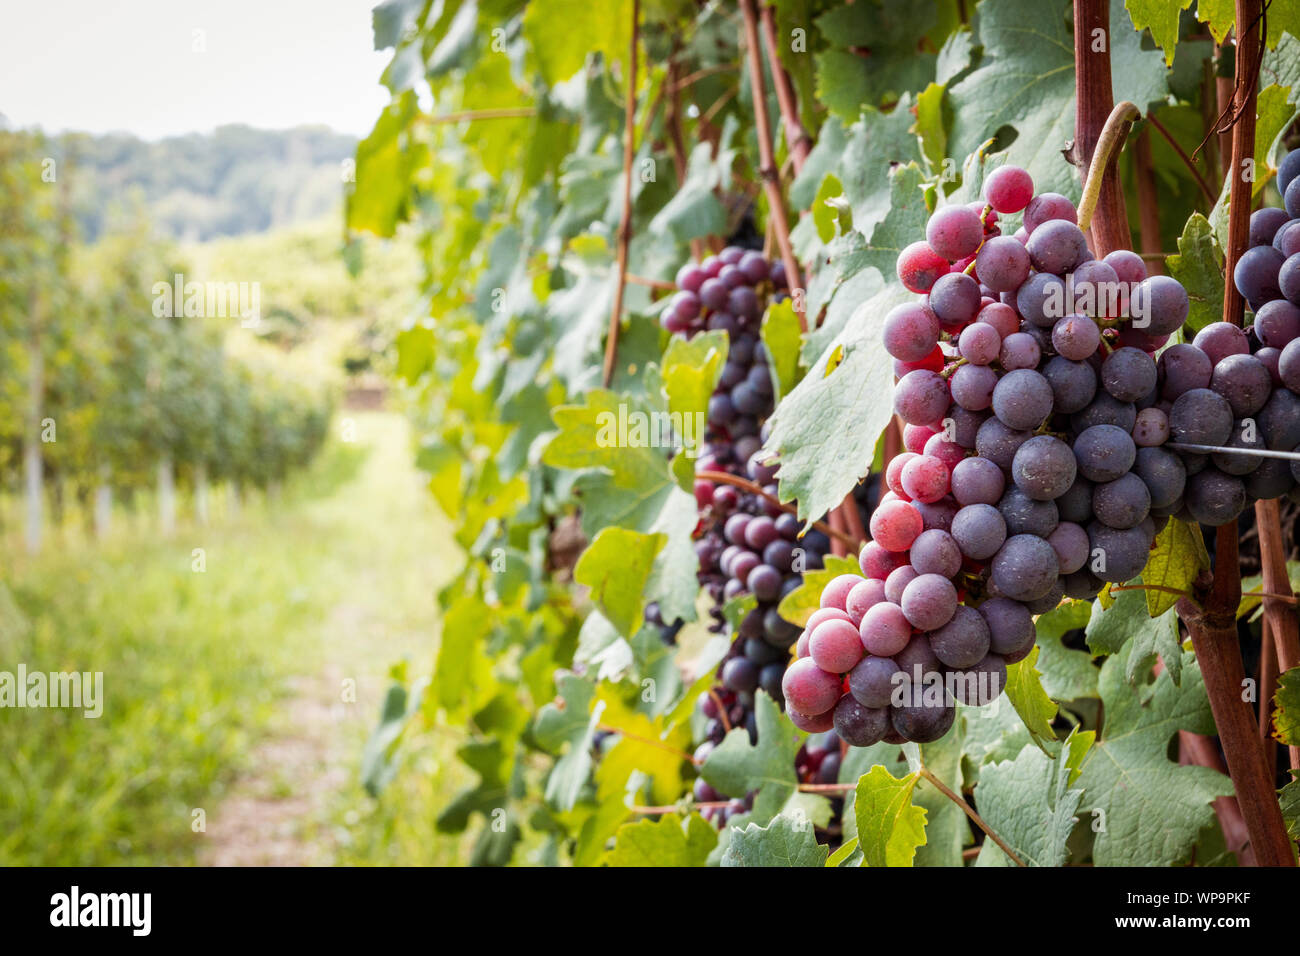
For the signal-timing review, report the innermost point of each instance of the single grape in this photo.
(1264, 224)
(954, 232)
(1046, 207)
(929, 601)
(1024, 515)
(936, 552)
(1246, 383)
(1218, 340)
(1213, 498)
(979, 531)
(925, 478)
(1128, 374)
(1022, 399)
(860, 726)
(1183, 367)
(1159, 305)
(955, 299)
(835, 646)
(1041, 300)
(1057, 246)
(1104, 452)
(1243, 436)
(1070, 542)
(1076, 504)
(1024, 568)
(979, 343)
(963, 641)
(808, 689)
(919, 267)
(1074, 384)
(1118, 555)
(1043, 468)
(1001, 316)
(1200, 417)
(1076, 337)
(1151, 428)
(947, 452)
(1121, 503)
(1277, 323)
(864, 596)
(836, 592)
(911, 332)
(1279, 420)
(1002, 264)
(921, 398)
(899, 579)
(872, 681)
(1128, 266)
(977, 481)
(1008, 189)
(1019, 350)
(998, 443)
(1288, 368)
(1287, 170)
(972, 387)
(1256, 274)
(884, 630)
(1287, 239)
(895, 525)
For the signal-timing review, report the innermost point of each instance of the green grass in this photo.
(335, 581)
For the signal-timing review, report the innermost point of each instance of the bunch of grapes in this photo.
(1032, 468)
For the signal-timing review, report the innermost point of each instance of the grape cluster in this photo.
(1031, 471)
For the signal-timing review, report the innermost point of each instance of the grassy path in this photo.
(237, 698)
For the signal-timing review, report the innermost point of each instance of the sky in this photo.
(159, 68)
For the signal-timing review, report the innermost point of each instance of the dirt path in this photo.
(378, 585)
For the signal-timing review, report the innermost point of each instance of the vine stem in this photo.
(649, 742)
(767, 163)
(1279, 601)
(674, 808)
(1109, 144)
(651, 283)
(1092, 110)
(798, 142)
(725, 478)
(975, 818)
(625, 222)
(1159, 127)
(505, 112)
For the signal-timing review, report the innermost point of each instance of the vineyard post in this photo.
(625, 221)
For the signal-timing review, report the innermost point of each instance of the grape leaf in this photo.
(783, 842)
(1068, 673)
(1286, 716)
(668, 841)
(1161, 17)
(1151, 809)
(1029, 803)
(781, 336)
(736, 766)
(1219, 15)
(1127, 624)
(616, 566)
(1177, 558)
(690, 373)
(1026, 80)
(1275, 111)
(797, 606)
(1025, 691)
(889, 825)
(1290, 798)
(560, 50)
(991, 732)
(574, 725)
(890, 35)
(662, 765)
(385, 163)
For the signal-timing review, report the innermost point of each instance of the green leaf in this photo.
(1026, 80)
(1068, 673)
(1151, 809)
(830, 210)
(1219, 15)
(1290, 799)
(694, 209)
(1029, 803)
(1275, 111)
(1161, 17)
(797, 606)
(1127, 624)
(875, 144)
(1177, 558)
(560, 49)
(385, 163)
(889, 826)
(847, 851)
(570, 726)
(736, 766)
(616, 566)
(1025, 691)
(783, 842)
(1286, 716)
(781, 335)
(690, 373)
(1255, 582)
(668, 841)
